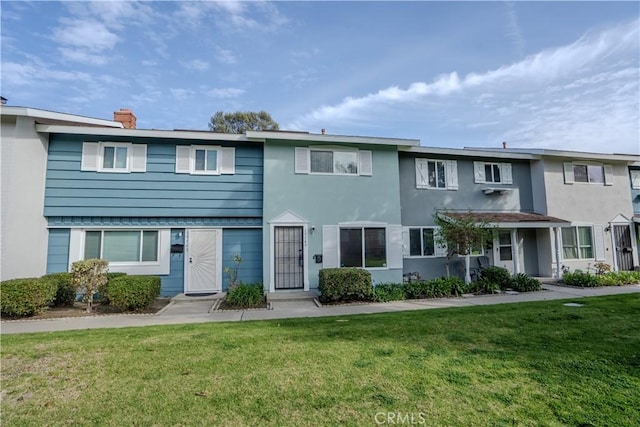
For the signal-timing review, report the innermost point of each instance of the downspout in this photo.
(556, 241)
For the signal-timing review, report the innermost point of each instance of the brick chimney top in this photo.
(126, 117)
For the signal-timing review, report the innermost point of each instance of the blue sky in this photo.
(559, 75)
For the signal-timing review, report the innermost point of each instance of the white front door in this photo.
(504, 250)
(203, 261)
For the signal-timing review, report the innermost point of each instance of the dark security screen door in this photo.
(624, 249)
(288, 258)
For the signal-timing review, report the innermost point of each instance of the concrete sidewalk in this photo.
(200, 311)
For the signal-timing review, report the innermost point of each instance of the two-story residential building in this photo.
(634, 178)
(178, 204)
(494, 188)
(330, 201)
(23, 159)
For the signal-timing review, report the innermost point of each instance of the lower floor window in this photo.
(421, 242)
(122, 245)
(577, 242)
(363, 247)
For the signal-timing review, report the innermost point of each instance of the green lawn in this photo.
(517, 364)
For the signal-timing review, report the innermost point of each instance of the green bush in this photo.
(580, 279)
(89, 276)
(451, 286)
(524, 283)
(498, 276)
(345, 284)
(66, 290)
(618, 278)
(483, 286)
(385, 292)
(436, 288)
(245, 295)
(133, 293)
(103, 290)
(25, 297)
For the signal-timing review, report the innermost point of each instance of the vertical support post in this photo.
(515, 249)
(556, 244)
(614, 246)
(467, 275)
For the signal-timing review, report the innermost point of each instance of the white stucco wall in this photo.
(23, 228)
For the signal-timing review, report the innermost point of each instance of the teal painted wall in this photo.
(157, 192)
(58, 250)
(329, 199)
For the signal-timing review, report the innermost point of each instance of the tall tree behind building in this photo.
(242, 121)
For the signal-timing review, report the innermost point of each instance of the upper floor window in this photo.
(205, 159)
(496, 173)
(635, 179)
(332, 161)
(437, 174)
(114, 157)
(584, 172)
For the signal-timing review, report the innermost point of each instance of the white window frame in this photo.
(92, 157)
(450, 174)
(569, 173)
(439, 250)
(362, 236)
(480, 175)
(205, 148)
(493, 166)
(186, 159)
(159, 267)
(578, 244)
(635, 178)
(302, 160)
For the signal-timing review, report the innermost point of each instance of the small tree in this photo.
(88, 276)
(242, 121)
(232, 272)
(461, 234)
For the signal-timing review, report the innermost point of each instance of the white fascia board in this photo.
(52, 115)
(295, 136)
(468, 152)
(141, 133)
(532, 224)
(565, 154)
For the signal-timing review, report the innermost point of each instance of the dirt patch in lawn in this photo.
(79, 309)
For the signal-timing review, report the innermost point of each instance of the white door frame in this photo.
(515, 250)
(187, 270)
(289, 219)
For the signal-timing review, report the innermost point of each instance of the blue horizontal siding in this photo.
(101, 221)
(157, 192)
(173, 284)
(58, 250)
(248, 244)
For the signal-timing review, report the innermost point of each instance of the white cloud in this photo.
(90, 35)
(513, 28)
(196, 64)
(181, 94)
(584, 77)
(225, 56)
(225, 93)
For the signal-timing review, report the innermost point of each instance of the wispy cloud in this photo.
(513, 28)
(225, 93)
(516, 92)
(232, 15)
(196, 64)
(225, 56)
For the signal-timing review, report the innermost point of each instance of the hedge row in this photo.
(26, 297)
(586, 280)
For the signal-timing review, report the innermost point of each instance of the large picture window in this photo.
(363, 247)
(122, 246)
(577, 243)
(334, 162)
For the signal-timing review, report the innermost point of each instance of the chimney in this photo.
(126, 117)
(3, 100)
(504, 145)
(323, 131)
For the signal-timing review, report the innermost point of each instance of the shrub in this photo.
(436, 288)
(523, 283)
(602, 268)
(88, 276)
(451, 286)
(245, 295)
(103, 290)
(414, 289)
(65, 289)
(25, 297)
(345, 284)
(580, 279)
(388, 292)
(497, 275)
(618, 278)
(484, 286)
(134, 293)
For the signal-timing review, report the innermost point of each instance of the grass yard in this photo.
(516, 364)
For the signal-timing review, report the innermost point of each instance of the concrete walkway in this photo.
(194, 310)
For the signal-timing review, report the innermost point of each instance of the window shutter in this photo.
(635, 179)
(598, 242)
(506, 173)
(452, 174)
(568, 173)
(228, 161)
(366, 163)
(441, 250)
(183, 159)
(302, 160)
(395, 246)
(406, 244)
(90, 156)
(138, 159)
(330, 246)
(608, 175)
(478, 172)
(421, 174)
